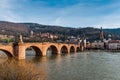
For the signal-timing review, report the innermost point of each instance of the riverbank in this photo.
(112, 50)
(103, 50)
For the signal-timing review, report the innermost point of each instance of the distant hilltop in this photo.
(11, 28)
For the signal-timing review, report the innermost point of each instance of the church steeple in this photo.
(101, 34)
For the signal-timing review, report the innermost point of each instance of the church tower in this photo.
(101, 34)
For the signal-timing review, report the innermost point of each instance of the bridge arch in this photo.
(53, 49)
(64, 49)
(37, 50)
(78, 49)
(42, 48)
(9, 54)
(72, 49)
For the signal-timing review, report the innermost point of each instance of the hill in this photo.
(89, 32)
(114, 32)
(10, 28)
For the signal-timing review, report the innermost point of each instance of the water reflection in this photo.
(37, 59)
(78, 66)
(21, 70)
(3, 57)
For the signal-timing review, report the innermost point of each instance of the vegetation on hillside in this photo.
(90, 33)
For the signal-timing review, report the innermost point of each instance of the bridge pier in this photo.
(68, 49)
(43, 49)
(59, 52)
(75, 50)
(21, 51)
(43, 53)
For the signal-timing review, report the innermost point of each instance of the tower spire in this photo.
(101, 34)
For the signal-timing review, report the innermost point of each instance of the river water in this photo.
(93, 65)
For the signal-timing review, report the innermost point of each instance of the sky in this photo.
(67, 13)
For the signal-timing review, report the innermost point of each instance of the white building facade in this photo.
(114, 45)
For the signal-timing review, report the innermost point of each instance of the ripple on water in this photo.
(80, 66)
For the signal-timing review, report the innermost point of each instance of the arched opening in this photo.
(51, 50)
(77, 49)
(5, 55)
(72, 49)
(64, 50)
(33, 51)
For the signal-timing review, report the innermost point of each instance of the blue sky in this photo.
(68, 13)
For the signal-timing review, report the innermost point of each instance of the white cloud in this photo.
(6, 12)
(58, 21)
(94, 16)
(5, 4)
(80, 14)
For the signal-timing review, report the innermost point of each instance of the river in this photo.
(93, 65)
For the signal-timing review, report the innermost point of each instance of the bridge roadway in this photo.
(19, 51)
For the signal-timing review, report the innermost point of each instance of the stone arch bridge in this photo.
(19, 51)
